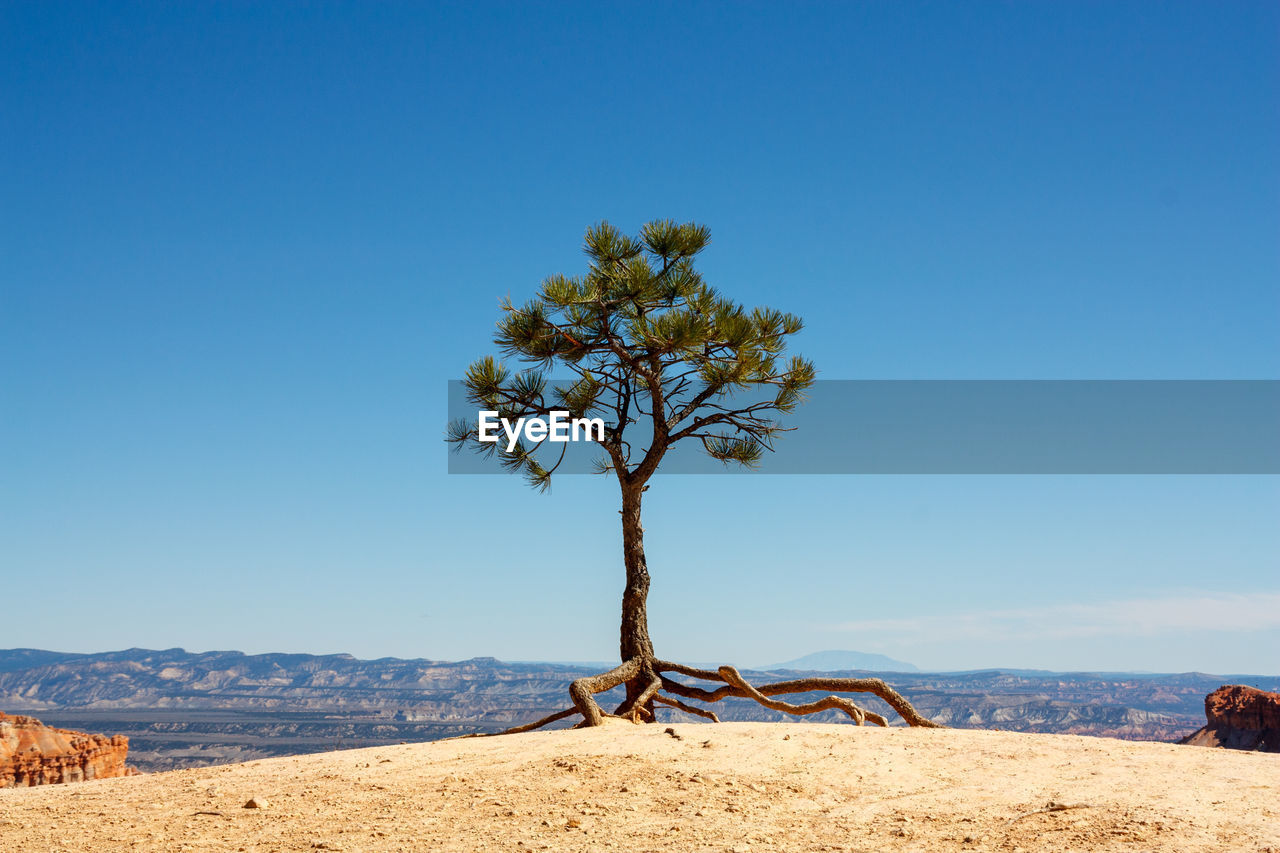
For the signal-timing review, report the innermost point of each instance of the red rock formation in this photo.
(1240, 718)
(32, 753)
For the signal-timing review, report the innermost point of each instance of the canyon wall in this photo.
(1240, 717)
(32, 753)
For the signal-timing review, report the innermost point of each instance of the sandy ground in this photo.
(727, 787)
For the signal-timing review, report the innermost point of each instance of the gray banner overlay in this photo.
(981, 427)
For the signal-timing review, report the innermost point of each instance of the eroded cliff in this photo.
(1240, 717)
(32, 753)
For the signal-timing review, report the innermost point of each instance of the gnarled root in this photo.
(688, 709)
(858, 715)
(527, 727)
(735, 685)
(582, 691)
(640, 708)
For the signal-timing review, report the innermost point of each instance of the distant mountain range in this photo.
(836, 661)
(182, 708)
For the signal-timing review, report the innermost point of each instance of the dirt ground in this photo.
(727, 787)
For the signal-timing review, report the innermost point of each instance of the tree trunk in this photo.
(634, 640)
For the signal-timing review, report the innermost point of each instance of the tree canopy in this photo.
(644, 337)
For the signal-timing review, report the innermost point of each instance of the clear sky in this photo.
(244, 246)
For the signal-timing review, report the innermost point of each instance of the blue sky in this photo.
(246, 245)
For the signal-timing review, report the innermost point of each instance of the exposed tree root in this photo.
(688, 709)
(527, 727)
(858, 715)
(640, 708)
(734, 685)
(582, 690)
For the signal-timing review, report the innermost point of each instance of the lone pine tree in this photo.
(653, 350)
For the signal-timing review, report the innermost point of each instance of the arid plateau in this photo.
(688, 787)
